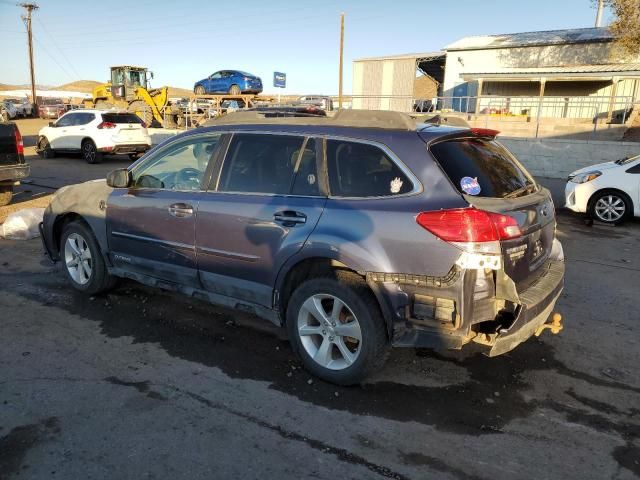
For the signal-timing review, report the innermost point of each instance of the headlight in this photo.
(585, 177)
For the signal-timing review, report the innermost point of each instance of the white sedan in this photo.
(94, 133)
(608, 192)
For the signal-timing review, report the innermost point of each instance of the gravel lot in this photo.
(142, 383)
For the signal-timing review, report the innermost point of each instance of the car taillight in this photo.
(469, 225)
(106, 125)
(19, 143)
(485, 132)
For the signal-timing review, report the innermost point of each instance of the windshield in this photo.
(482, 168)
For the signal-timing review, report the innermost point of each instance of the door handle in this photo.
(290, 218)
(180, 210)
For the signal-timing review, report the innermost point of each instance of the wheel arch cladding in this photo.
(303, 269)
(85, 201)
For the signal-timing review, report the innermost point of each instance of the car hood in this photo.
(599, 166)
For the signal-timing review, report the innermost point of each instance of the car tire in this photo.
(610, 206)
(82, 260)
(322, 347)
(199, 90)
(44, 148)
(143, 111)
(90, 152)
(235, 90)
(6, 193)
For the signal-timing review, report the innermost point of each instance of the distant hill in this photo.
(84, 86)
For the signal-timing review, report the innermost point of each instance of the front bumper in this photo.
(14, 172)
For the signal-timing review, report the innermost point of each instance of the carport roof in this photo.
(607, 70)
(529, 39)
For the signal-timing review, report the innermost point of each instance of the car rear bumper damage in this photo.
(470, 305)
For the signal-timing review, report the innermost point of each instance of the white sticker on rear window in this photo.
(470, 185)
(396, 185)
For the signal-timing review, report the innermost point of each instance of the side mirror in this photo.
(119, 178)
(52, 124)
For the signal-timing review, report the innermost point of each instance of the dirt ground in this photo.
(141, 383)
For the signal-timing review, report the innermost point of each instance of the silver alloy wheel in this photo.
(610, 208)
(77, 257)
(329, 331)
(89, 151)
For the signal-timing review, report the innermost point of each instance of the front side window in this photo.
(363, 170)
(260, 164)
(66, 120)
(180, 166)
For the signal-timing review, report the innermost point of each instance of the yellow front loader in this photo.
(129, 90)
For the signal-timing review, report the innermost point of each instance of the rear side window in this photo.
(121, 118)
(260, 164)
(481, 168)
(363, 170)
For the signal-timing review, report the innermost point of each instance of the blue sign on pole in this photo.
(279, 79)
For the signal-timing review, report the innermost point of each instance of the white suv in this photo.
(94, 133)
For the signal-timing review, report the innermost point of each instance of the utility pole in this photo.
(341, 54)
(30, 7)
(599, 14)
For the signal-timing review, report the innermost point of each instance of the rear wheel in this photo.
(82, 260)
(6, 193)
(199, 90)
(44, 148)
(610, 207)
(234, 90)
(335, 326)
(90, 152)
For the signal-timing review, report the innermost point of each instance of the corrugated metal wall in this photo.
(384, 79)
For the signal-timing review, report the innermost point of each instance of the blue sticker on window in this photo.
(470, 185)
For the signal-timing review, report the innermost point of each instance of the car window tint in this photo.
(363, 170)
(66, 121)
(82, 118)
(306, 172)
(260, 163)
(121, 118)
(180, 166)
(481, 167)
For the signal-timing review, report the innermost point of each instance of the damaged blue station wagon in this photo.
(355, 232)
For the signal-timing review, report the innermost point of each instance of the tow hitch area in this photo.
(555, 325)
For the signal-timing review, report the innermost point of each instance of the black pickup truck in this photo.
(12, 166)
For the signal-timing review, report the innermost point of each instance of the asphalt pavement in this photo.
(141, 383)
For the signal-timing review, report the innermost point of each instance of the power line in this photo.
(45, 50)
(58, 48)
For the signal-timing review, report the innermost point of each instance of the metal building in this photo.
(388, 83)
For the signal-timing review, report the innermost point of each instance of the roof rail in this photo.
(343, 118)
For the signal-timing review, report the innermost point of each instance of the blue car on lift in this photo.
(232, 82)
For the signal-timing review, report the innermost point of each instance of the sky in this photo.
(187, 40)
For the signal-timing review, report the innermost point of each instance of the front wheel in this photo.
(610, 207)
(235, 90)
(335, 326)
(44, 148)
(83, 261)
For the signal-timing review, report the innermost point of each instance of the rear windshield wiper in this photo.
(521, 190)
